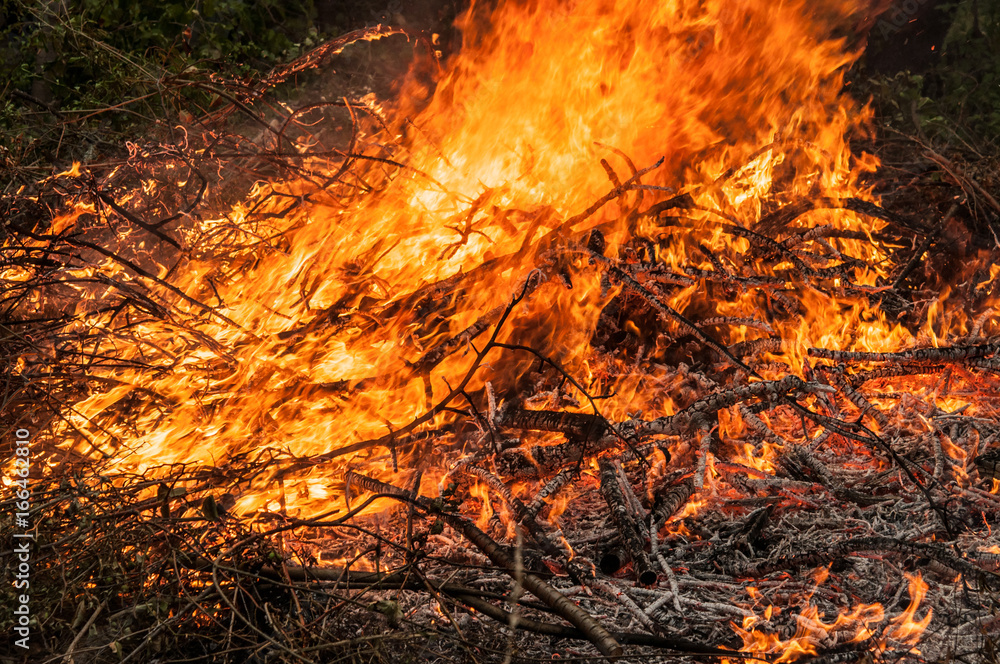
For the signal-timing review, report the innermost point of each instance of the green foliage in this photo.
(970, 78)
(107, 66)
(960, 96)
(67, 35)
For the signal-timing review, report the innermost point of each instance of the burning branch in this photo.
(555, 600)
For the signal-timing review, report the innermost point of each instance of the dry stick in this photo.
(558, 602)
(989, 463)
(759, 281)
(959, 176)
(539, 534)
(434, 356)
(549, 458)
(860, 378)
(731, 320)
(149, 228)
(804, 270)
(166, 623)
(627, 602)
(641, 452)
(315, 57)
(561, 631)
(977, 325)
(495, 483)
(636, 510)
(585, 426)
(804, 457)
(246, 621)
(704, 449)
(68, 657)
(476, 599)
(414, 492)
(938, 457)
(988, 363)
(754, 347)
(758, 425)
(173, 289)
(698, 414)
(870, 544)
(601, 202)
(499, 264)
(462, 640)
(924, 246)
(622, 436)
(664, 310)
(668, 571)
(629, 530)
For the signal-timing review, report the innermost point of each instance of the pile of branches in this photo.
(673, 543)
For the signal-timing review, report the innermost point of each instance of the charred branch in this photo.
(629, 530)
(670, 500)
(555, 600)
(922, 355)
(580, 426)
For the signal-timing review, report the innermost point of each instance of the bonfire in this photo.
(604, 337)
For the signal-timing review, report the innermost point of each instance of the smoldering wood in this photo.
(632, 540)
(597, 634)
(929, 355)
(582, 426)
(989, 463)
(974, 571)
(669, 500)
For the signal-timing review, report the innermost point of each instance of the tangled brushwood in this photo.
(296, 397)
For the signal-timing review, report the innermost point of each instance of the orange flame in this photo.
(859, 624)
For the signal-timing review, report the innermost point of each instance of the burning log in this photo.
(551, 488)
(628, 528)
(670, 500)
(917, 355)
(583, 427)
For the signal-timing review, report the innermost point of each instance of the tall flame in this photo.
(741, 100)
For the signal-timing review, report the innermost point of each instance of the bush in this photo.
(960, 95)
(109, 59)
